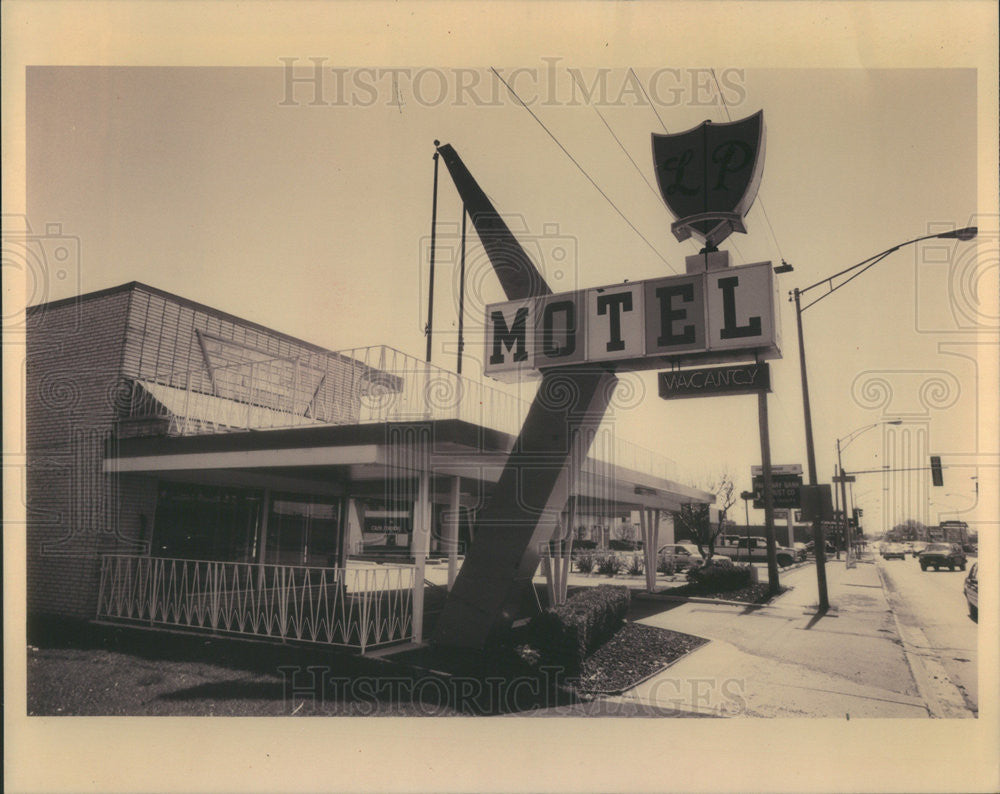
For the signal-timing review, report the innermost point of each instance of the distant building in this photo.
(955, 531)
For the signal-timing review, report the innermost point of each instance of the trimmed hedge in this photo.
(566, 634)
(719, 574)
(624, 545)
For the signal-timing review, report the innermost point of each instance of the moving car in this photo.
(893, 551)
(972, 591)
(940, 555)
(917, 548)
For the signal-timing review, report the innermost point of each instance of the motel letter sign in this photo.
(715, 316)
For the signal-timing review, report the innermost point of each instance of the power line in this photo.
(760, 198)
(650, 101)
(582, 170)
(622, 147)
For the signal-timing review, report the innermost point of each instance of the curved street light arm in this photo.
(958, 234)
(861, 430)
(868, 263)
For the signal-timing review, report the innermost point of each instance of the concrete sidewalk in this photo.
(786, 659)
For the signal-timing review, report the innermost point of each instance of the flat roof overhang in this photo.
(330, 457)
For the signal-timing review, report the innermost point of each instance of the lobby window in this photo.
(303, 531)
(204, 522)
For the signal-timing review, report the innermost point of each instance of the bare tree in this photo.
(624, 532)
(695, 520)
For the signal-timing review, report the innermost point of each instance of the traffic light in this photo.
(937, 477)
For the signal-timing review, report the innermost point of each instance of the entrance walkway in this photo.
(789, 660)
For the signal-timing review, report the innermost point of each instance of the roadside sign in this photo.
(784, 490)
(715, 381)
(785, 468)
(817, 502)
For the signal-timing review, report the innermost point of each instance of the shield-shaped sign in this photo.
(709, 175)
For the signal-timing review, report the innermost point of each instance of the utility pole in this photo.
(430, 294)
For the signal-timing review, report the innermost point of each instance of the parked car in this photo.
(801, 550)
(830, 548)
(940, 555)
(683, 555)
(893, 551)
(755, 550)
(972, 591)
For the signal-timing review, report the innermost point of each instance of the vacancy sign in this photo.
(716, 316)
(715, 381)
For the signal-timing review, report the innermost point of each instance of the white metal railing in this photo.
(351, 607)
(365, 385)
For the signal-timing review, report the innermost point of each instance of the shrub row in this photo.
(610, 564)
(567, 633)
(719, 574)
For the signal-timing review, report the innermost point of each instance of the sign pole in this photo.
(765, 454)
(746, 496)
(848, 540)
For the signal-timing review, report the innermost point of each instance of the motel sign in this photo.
(718, 315)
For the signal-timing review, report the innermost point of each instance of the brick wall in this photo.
(74, 351)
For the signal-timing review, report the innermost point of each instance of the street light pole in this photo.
(967, 233)
(819, 539)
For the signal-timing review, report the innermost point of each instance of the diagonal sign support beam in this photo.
(568, 408)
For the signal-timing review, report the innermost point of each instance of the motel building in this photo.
(191, 470)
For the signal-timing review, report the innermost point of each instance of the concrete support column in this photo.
(420, 546)
(454, 506)
(649, 522)
(262, 548)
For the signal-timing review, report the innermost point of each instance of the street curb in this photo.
(941, 697)
(646, 596)
(685, 709)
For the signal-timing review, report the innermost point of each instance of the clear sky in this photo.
(306, 205)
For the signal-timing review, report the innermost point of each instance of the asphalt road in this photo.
(933, 601)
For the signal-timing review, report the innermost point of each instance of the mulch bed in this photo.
(633, 654)
(752, 594)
